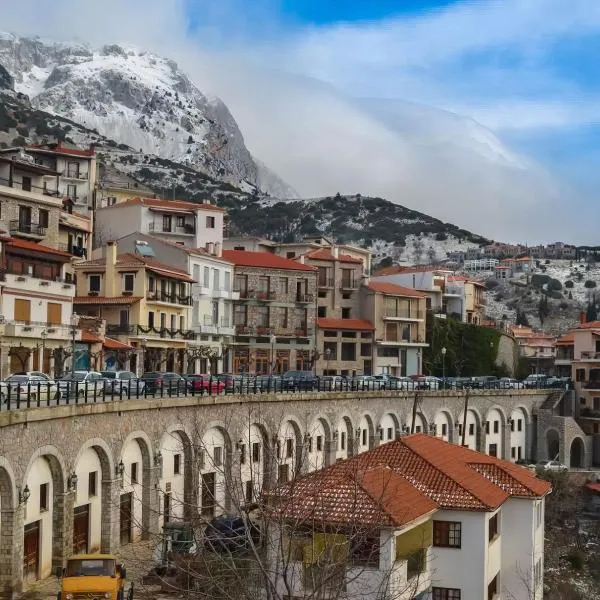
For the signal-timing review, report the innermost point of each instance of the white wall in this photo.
(88, 463)
(205, 235)
(365, 435)
(495, 419)
(132, 453)
(117, 221)
(212, 439)
(315, 456)
(252, 470)
(287, 432)
(344, 437)
(387, 431)
(443, 422)
(470, 439)
(518, 435)
(40, 473)
(171, 445)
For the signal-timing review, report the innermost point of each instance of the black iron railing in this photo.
(27, 227)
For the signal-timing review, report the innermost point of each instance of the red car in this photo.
(204, 384)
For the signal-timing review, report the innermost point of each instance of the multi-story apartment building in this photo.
(471, 298)
(398, 314)
(115, 187)
(564, 355)
(274, 317)
(211, 317)
(36, 304)
(414, 518)
(145, 303)
(536, 348)
(184, 223)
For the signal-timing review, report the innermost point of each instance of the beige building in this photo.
(274, 317)
(398, 314)
(146, 304)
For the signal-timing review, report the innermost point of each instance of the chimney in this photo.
(582, 317)
(210, 247)
(218, 249)
(110, 272)
(301, 259)
(335, 251)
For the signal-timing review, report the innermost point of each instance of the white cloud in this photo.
(322, 142)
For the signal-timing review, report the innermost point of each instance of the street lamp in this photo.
(43, 335)
(444, 365)
(327, 357)
(144, 343)
(273, 340)
(74, 322)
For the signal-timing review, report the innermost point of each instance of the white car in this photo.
(509, 383)
(81, 383)
(554, 465)
(32, 385)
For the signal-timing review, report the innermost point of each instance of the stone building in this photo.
(274, 317)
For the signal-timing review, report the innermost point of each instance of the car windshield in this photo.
(90, 567)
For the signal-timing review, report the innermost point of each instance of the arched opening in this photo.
(577, 453)
(387, 428)
(10, 574)
(214, 455)
(494, 429)
(43, 528)
(471, 429)
(365, 434)
(92, 503)
(289, 451)
(175, 486)
(253, 460)
(343, 437)
(319, 435)
(552, 444)
(518, 434)
(420, 424)
(443, 423)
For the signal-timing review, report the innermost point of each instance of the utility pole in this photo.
(464, 423)
(414, 411)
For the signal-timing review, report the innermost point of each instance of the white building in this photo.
(436, 521)
(183, 223)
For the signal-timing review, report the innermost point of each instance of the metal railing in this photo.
(27, 227)
(29, 188)
(74, 174)
(80, 251)
(326, 282)
(305, 298)
(349, 284)
(404, 314)
(160, 296)
(163, 332)
(16, 396)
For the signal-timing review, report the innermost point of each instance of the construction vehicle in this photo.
(93, 577)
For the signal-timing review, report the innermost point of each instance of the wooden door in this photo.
(31, 550)
(126, 521)
(208, 495)
(81, 528)
(22, 310)
(54, 313)
(46, 360)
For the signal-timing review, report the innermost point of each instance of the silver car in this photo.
(123, 383)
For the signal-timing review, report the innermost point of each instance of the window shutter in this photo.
(22, 310)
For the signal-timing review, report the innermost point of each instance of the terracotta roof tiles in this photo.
(391, 289)
(347, 324)
(34, 247)
(111, 344)
(326, 254)
(264, 260)
(126, 300)
(169, 204)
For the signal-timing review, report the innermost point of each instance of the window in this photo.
(285, 318)
(447, 534)
(242, 448)
(289, 448)
(181, 221)
(445, 593)
(166, 223)
(487, 427)
(240, 314)
(92, 484)
(348, 351)
(364, 437)
(94, 283)
(322, 312)
(496, 426)
(44, 500)
(513, 452)
(310, 444)
(365, 349)
(54, 313)
(255, 452)
(319, 443)
(290, 254)
(206, 277)
(128, 280)
(22, 310)
(493, 527)
(444, 429)
(26, 183)
(218, 456)
(493, 588)
(173, 322)
(210, 222)
(343, 441)
(134, 472)
(283, 286)
(216, 279)
(416, 563)
(493, 450)
(249, 492)
(177, 464)
(519, 424)
(471, 428)
(44, 218)
(262, 316)
(580, 375)
(390, 432)
(346, 313)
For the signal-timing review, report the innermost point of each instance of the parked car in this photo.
(299, 380)
(535, 380)
(506, 383)
(484, 382)
(27, 385)
(334, 382)
(123, 383)
(367, 382)
(230, 534)
(205, 383)
(81, 384)
(554, 465)
(427, 382)
(268, 383)
(168, 383)
(230, 382)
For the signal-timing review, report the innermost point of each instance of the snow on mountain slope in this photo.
(140, 99)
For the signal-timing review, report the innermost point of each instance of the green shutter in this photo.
(410, 542)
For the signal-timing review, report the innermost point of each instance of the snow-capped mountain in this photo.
(139, 99)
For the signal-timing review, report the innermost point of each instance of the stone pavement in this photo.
(137, 558)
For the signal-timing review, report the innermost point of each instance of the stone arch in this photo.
(254, 461)
(318, 443)
(443, 424)
(577, 453)
(388, 428)
(137, 484)
(552, 444)
(10, 573)
(176, 462)
(344, 437)
(290, 448)
(215, 452)
(46, 473)
(473, 428)
(95, 456)
(365, 433)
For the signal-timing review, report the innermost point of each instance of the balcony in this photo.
(265, 295)
(169, 298)
(226, 294)
(303, 332)
(187, 229)
(398, 315)
(264, 330)
(27, 229)
(326, 282)
(77, 251)
(75, 174)
(43, 191)
(39, 329)
(34, 283)
(305, 298)
(150, 331)
(349, 284)
(208, 326)
(589, 355)
(593, 384)
(244, 330)
(226, 327)
(245, 294)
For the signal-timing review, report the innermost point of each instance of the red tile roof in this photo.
(115, 344)
(593, 486)
(391, 289)
(414, 269)
(348, 324)
(105, 300)
(169, 204)
(452, 278)
(326, 254)
(35, 247)
(60, 149)
(264, 260)
(568, 339)
(400, 481)
(90, 338)
(589, 325)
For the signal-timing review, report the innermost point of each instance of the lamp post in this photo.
(444, 366)
(273, 340)
(144, 343)
(327, 357)
(43, 335)
(74, 322)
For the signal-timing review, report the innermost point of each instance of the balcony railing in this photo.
(79, 251)
(403, 314)
(75, 174)
(244, 330)
(593, 384)
(589, 355)
(27, 228)
(29, 188)
(244, 293)
(187, 229)
(265, 295)
(160, 296)
(163, 332)
(326, 282)
(305, 298)
(264, 330)
(349, 284)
